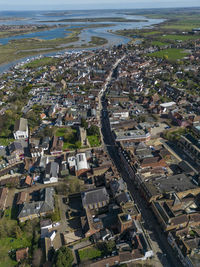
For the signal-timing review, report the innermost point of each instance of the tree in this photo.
(94, 130)
(63, 257)
(84, 123)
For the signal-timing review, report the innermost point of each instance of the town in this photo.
(100, 158)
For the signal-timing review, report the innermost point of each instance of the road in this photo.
(165, 256)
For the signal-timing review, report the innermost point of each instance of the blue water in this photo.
(44, 35)
(40, 18)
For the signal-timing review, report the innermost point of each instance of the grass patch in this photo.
(170, 54)
(41, 62)
(55, 216)
(95, 40)
(158, 43)
(176, 37)
(12, 237)
(94, 140)
(6, 141)
(151, 33)
(70, 138)
(17, 49)
(174, 135)
(89, 253)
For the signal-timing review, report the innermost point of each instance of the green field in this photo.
(95, 40)
(89, 253)
(176, 37)
(94, 141)
(170, 54)
(41, 62)
(158, 43)
(151, 33)
(70, 138)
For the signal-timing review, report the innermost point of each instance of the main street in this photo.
(164, 255)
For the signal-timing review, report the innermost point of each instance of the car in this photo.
(56, 224)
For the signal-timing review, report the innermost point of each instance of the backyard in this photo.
(70, 137)
(14, 236)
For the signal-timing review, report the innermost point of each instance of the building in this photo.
(57, 146)
(78, 164)
(21, 129)
(35, 209)
(95, 198)
(16, 150)
(156, 187)
(134, 136)
(21, 198)
(51, 173)
(191, 147)
(21, 254)
(3, 197)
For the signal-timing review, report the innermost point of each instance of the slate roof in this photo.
(94, 196)
(15, 146)
(21, 125)
(46, 204)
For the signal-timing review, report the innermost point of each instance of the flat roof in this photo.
(167, 104)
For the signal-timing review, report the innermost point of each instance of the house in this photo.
(3, 197)
(16, 150)
(46, 224)
(21, 254)
(35, 209)
(45, 143)
(21, 129)
(51, 173)
(28, 181)
(21, 198)
(117, 186)
(35, 149)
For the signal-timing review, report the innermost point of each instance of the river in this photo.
(41, 17)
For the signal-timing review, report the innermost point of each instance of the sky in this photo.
(93, 4)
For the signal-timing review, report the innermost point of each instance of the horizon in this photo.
(95, 9)
(81, 5)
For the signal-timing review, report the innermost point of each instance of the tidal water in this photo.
(40, 17)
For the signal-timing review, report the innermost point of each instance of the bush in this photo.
(63, 257)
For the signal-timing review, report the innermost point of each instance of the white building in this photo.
(51, 173)
(21, 129)
(78, 163)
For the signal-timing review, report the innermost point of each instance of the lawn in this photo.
(41, 62)
(8, 243)
(70, 138)
(150, 33)
(5, 141)
(171, 54)
(175, 37)
(89, 253)
(55, 216)
(158, 43)
(94, 140)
